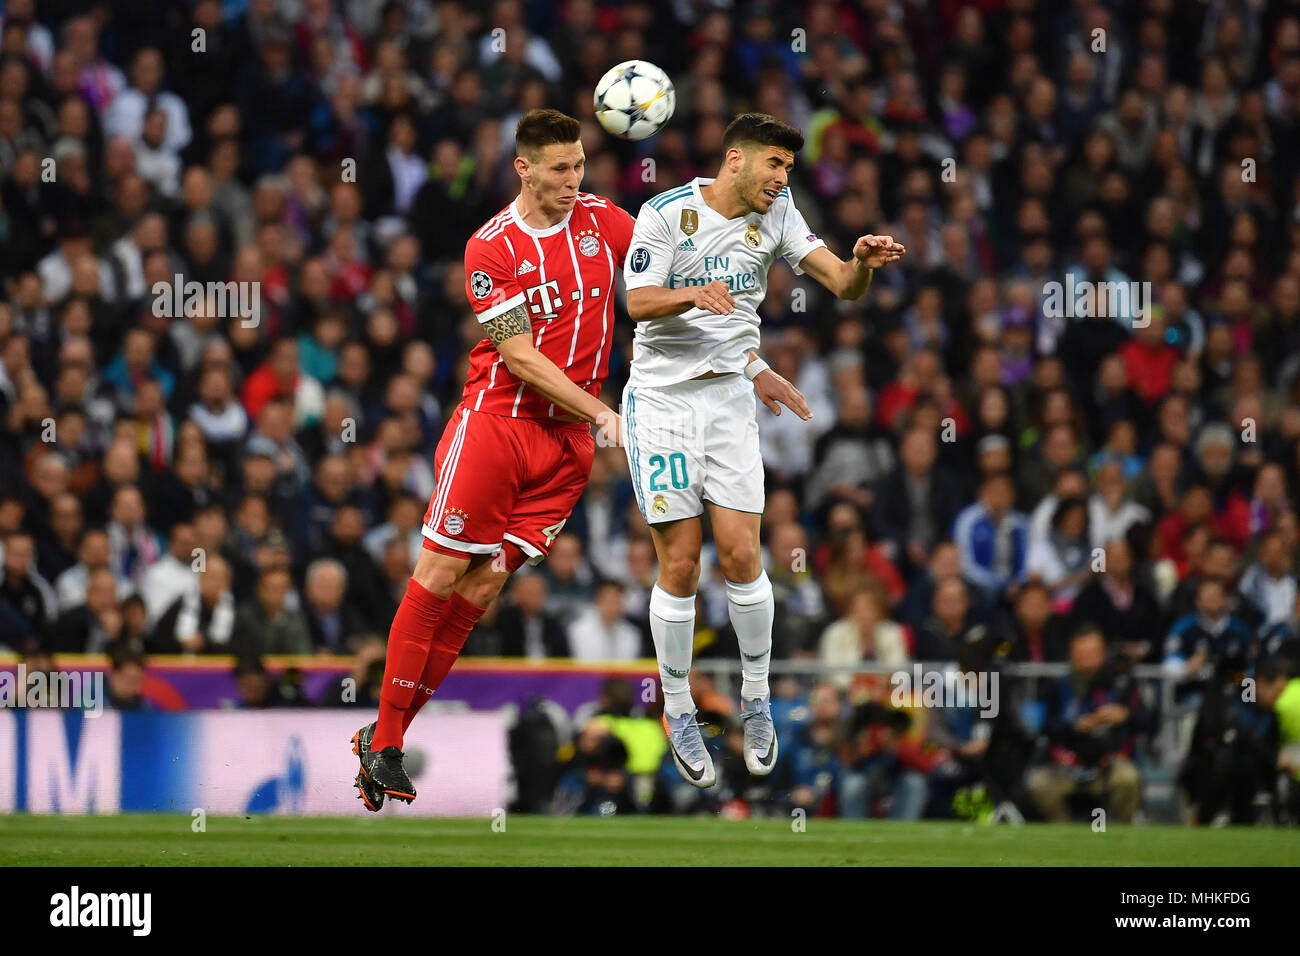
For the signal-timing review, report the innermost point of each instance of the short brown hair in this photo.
(761, 129)
(541, 128)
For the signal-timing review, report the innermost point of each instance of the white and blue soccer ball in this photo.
(634, 100)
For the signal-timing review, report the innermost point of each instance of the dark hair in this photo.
(1033, 584)
(1270, 669)
(997, 477)
(1066, 505)
(761, 129)
(1087, 629)
(249, 664)
(124, 656)
(541, 128)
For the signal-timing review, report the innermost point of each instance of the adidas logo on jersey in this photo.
(686, 246)
(525, 268)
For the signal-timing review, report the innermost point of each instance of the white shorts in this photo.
(692, 442)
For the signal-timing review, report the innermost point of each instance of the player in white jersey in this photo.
(695, 275)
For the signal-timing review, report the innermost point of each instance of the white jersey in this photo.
(680, 241)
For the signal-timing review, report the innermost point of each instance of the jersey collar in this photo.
(539, 233)
(696, 183)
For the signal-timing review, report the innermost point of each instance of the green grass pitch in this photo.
(164, 840)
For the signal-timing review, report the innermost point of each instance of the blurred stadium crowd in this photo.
(974, 461)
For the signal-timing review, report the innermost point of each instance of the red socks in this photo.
(453, 627)
(409, 641)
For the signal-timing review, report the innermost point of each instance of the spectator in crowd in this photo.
(951, 622)
(569, 580)
(1118, 602)
(850, 458)
(126, 677)
(93, 553)
(253, 684)
(173, 575)
(133, 545)
(1061, 559)
(1231, 774)
(864, 634)
(367, 590)
(1035, 632)
(269, 625)
(879, 775)
(334, 624)
(1110, 511)
(1092, 717)
(599, 632)
(94, 626)
(1268, 587)
(129, 109)
(993, 538)
(200, 621)
(810, 766)
(595, 783)
(57, 550)
(404, 524)
(365, 680)
(1210, 640)
(641, 733)
(1218, 562)
(916, 503)
(28, 597)
(526, 628)
(945, 562)
(799, 603)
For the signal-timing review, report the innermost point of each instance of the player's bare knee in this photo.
(483, 581)
(482, 591)
(740, 563)
(680, 574)
(437, 573)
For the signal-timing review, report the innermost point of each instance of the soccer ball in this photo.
(634, 100)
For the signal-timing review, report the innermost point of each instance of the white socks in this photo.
(751, 610)
(672, 625)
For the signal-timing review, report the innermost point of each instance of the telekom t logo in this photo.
(544, 292)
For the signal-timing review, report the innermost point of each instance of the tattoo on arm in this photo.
(508, 325)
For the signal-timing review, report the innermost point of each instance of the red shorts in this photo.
(503, 481)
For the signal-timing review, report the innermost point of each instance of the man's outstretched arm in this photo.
(512, 334)
(849, 280)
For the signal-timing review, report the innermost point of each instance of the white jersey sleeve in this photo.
(797, 240)
(650, 256)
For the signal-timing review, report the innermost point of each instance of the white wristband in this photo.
(754, 367)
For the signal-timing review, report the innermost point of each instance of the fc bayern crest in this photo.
(480, 283)
(589, 242)
(454, 522)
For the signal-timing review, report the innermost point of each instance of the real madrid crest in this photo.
(690, 221)
(589, 242)
(454, 521)
(753, 238)
(659, 506)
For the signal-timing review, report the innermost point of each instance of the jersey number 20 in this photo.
(675, 461)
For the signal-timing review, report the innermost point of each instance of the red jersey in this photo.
(565, 277)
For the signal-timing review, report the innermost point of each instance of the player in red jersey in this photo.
(516, 454)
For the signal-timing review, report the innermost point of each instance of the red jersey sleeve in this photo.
(618, 227)
(490, 283)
